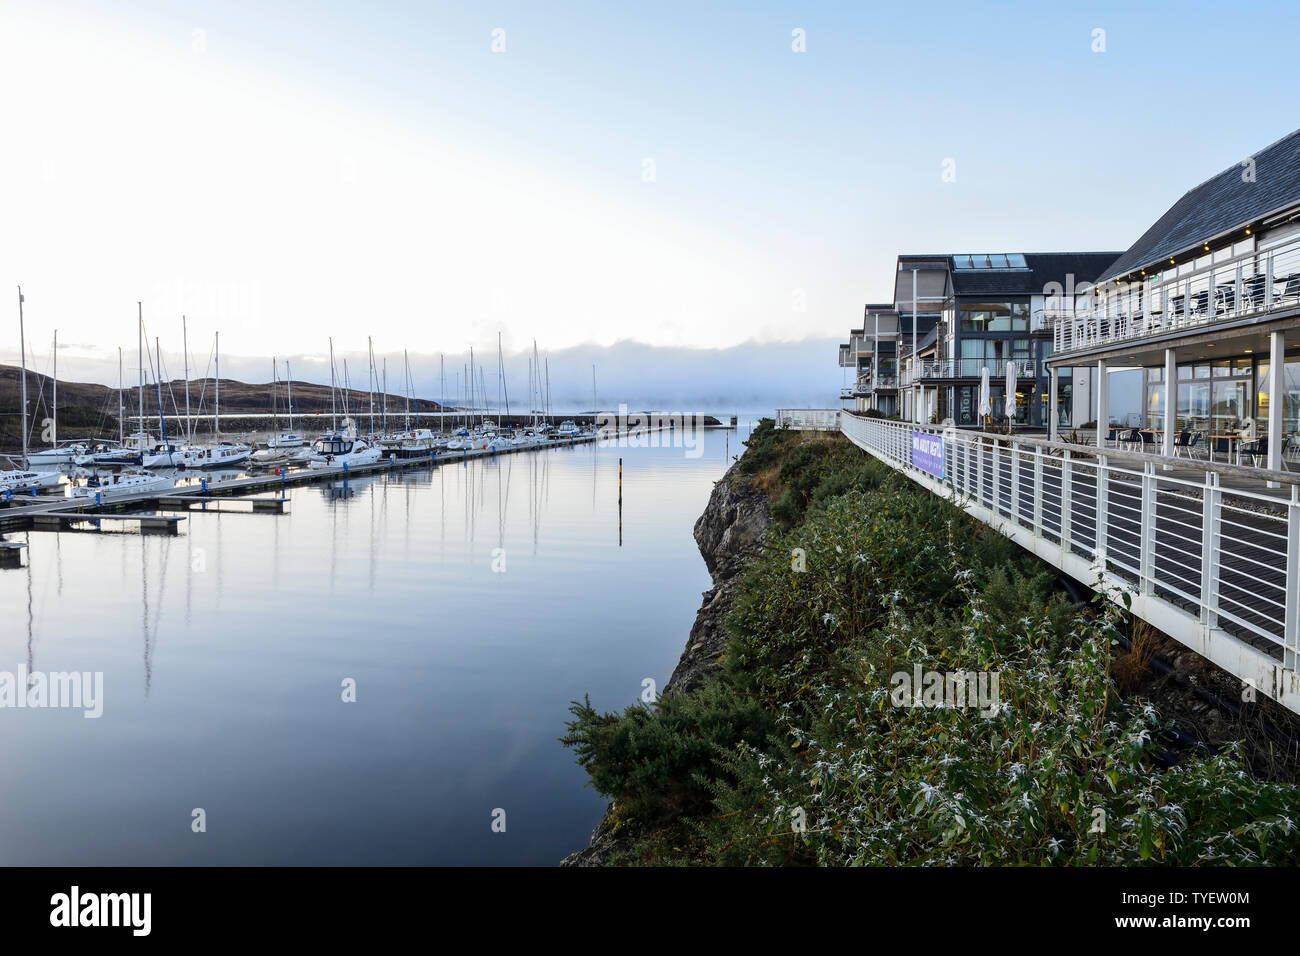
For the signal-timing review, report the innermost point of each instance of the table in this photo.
(1233, 449)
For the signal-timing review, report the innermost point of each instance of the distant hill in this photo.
(87, 409)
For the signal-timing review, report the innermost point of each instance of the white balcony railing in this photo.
(1251, 284)
(809, 419)
(969, 368)
(1210, 554)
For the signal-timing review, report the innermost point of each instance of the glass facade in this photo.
(1225, 397)
(993, 316)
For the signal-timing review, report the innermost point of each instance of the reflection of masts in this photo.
(31, 636)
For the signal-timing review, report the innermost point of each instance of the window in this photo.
(1064, 396)
(985, 317)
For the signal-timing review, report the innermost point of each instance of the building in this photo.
(956, 315)
(1206, 300)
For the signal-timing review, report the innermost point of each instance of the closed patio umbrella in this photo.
(1011, 392)
(985, 406)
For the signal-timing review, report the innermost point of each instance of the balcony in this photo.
(859, 389)
(953, 369)
(1253, 284)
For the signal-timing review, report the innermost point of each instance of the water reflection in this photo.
(222, 677)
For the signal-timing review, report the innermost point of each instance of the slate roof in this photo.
(1044, 267)
(1219, 205)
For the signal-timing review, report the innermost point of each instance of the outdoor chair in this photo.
(1255, 449)
(1252, 291)
(1132, 439)
(1290, 449)
(1150, 442)
(1292, 288)
(1221, 446)
(1225, 300)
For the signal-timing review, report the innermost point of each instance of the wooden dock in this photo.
(228, 496)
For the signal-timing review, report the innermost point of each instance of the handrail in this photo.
(1120, 454)
(1212, 564)
(1246, 284)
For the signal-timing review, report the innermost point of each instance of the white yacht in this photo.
(221, 455)
(170, 455)
(285, 440)
(121, 484)
(56, 456)
(25, 481)
(417, 443)
(333, 450)
(130, 452)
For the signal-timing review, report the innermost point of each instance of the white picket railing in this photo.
(809, 419)
(1208, 553)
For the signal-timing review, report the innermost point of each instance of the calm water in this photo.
(224, 650)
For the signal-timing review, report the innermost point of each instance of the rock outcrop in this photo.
(729, 533)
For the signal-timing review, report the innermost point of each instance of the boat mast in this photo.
(548, 390)
(139, 317)
(121, 405)
(22, 345)
(442, 394)
(185, 344)
(347, 388)
(157, 385)
(54, 429)
(501, 379)
(370, 384)
(334, 425)
(383, 400)
(216, 417)
(288, 384)
(406, 358)
(275, 418)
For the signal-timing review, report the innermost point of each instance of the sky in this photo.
(669, 176)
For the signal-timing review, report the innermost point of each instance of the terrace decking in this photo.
(1208, 553)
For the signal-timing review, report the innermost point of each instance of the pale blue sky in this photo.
(286, 171)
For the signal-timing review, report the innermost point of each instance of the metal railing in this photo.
(1249, 284)
(969, 368)
(809, 419)
(1209, 553)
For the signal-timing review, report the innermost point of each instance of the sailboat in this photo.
(280, 446)
(220, 454)
(24, 479)
(56, 455)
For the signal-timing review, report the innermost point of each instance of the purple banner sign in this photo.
(927, 453)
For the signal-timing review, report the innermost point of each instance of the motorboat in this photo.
(221, 455)
(337, 449)
(20, 481)
(568, 429)
(417, 443)
(121, 484)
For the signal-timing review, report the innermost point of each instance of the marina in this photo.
(230, 640)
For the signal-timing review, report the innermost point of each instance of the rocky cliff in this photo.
(729, 533)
